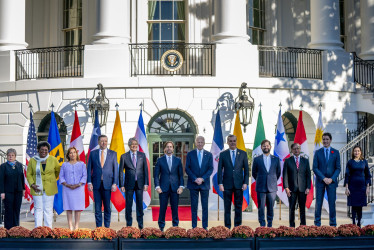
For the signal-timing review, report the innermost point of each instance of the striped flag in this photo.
(94, 142)
(141, 136)
(281, 151)
(318, 145)
(117, 145)
(57, 151)
(30, 152)
(259, 137)
(240, 145)
(217, 147)
(77, 142)
(300, 137)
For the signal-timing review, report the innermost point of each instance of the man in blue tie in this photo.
(199, 167)
(233, 178)
(168, 179)
(326, 167)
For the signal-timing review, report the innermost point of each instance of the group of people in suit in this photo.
(102, 174)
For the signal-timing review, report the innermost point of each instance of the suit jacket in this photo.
(296, 179)
(323, 169)
(266, 181)
(194, 171)
(11, 180)
(166, 179)
(49, 175)
(233, 177)
(141, 170)
(109, 171)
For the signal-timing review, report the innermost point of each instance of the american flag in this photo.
(30, 152)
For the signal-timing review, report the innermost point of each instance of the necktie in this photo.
(169, 162)
(297, 162)
(233, 158)
(199, 158)
(327, 154)
(134, 163)
(102, 160)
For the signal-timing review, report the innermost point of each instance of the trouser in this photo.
(43, 208)
(269, 200)
(238, 203)
(331, 197)
(102, 196)
(12, 205)
(204, 204)
(139, 205)
(174, 200)
(301, 198)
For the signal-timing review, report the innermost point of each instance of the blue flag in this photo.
(58, 152)
(217, 147)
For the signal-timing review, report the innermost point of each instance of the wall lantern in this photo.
(245, 105)
(99, 103)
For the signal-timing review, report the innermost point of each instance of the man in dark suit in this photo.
(168, 178)
(296, 182)
(102, 175)
(266, 170)
(234, 179)
(326, 167)
(199, 167)
(136, 180)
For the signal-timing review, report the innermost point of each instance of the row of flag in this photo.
(118, 198)
(281, 150)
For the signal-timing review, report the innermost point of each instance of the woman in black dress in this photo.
(12, 185)
(357, 182)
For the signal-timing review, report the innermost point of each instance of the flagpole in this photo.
(118, 183)
(218, 207)
(54, 211)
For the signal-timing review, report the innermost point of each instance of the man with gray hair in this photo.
(134, 165)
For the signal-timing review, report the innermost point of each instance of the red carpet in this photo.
(184, 213)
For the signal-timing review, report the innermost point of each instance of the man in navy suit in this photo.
(102, 175)
(326, 167)
(266, 170)
(199, 167)
(168, 178)
(136, 180)
(233, 178)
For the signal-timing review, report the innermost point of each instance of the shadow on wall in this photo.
(226, 106)
(67, 113)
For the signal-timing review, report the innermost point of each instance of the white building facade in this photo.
(287, 51)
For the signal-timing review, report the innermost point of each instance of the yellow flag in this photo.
(117, 138)
(238, 133)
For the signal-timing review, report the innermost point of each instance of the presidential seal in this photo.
(172, 60)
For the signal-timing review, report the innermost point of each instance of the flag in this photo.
(117, 145)
(259, 137)
(77, 142)
(94, 144)
(281, 151)
(318, 145)
(141, 136)
(30, 152)
(300, 137)
(240, 145)
(217, 147)
(57, 151)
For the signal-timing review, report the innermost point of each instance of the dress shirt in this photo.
(171, 162)
(202, 154)
(231, 153)
(267, 161)
(105, 153)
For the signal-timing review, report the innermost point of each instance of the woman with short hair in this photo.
(42, 173)
(12, 187)
(73, 177)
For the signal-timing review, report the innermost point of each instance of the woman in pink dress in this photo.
(73, 177)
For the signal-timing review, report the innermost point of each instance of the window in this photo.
(256, 21)
(72, 28)
(343, 37)
(166, 23)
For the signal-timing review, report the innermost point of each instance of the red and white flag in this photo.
(77, 142)
(300, 137)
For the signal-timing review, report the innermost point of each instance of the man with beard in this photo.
(168, 179)
(266, 170)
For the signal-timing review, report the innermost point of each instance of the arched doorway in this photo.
(290, 125)
(178, 127)
(43, 129)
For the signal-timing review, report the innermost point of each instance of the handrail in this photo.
(363, 73)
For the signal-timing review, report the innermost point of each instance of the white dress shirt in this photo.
(267, 161)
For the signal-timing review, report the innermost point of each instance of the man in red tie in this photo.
(296, 182)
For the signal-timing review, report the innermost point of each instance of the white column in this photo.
(367, 29)
(325, 27)
(113, 22)
(12, 25)
(230, 22)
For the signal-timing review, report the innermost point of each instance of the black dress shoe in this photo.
(162, 229)
(140, 227)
